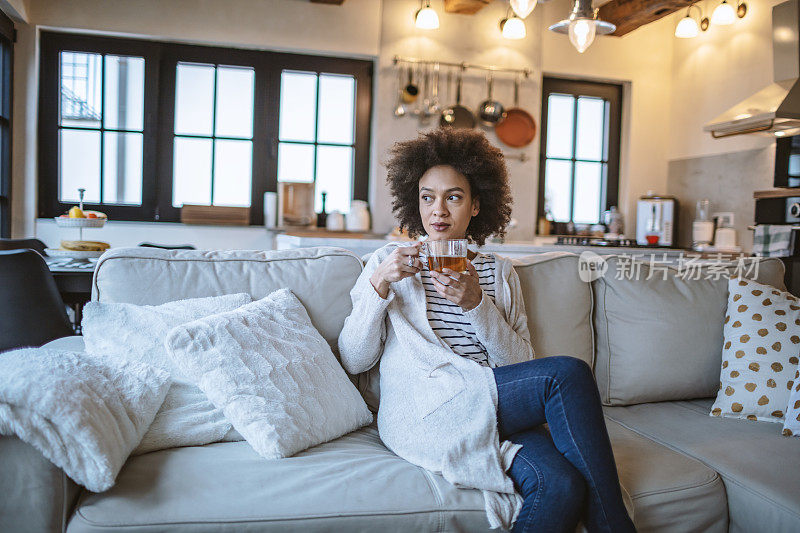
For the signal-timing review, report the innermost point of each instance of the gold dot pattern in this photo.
(760, 356)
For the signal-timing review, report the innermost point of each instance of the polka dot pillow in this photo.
(760, 352)
(792, 424)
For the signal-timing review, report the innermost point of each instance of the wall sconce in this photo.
(724, 14)
(425, 17)
(513, 27)
(582, 25)
(687, 27)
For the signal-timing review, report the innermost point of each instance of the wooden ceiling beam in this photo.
(628, 15)
(465, 7)
(331, 2)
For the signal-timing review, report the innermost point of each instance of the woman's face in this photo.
(445, 203)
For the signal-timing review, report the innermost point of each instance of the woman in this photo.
(461, 393)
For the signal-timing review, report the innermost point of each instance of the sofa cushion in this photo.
(351, 484)
(321, 278)
(752, 458)
(558, 305)
(670, 491)
(661, 338)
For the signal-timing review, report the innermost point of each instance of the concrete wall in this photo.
(375, 29)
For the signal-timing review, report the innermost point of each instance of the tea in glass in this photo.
(450, 253)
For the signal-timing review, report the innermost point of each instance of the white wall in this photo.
(379, 29)
(714, 71)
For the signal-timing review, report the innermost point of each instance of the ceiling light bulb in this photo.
(581, 34)
(513, 28)
(426, 18)
(686, 28)
(724, 14)
(523, 8)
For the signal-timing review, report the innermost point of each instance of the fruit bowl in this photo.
(64, 222)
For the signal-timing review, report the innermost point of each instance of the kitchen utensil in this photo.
(457, 115)
(422, 103)
(399, 109)
(490, 111)
(358, 217)
(518, 128)
(410, 91)
(434, 106)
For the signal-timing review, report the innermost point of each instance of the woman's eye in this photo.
(426, 198)
(454, 197)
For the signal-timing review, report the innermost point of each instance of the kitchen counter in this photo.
(362, 244)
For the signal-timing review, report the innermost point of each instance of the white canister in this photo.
(335, 221)
(358, 217)
(725, 238)
(702, 232)
(270, 209)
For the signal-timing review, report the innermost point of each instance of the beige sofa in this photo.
(682, 470)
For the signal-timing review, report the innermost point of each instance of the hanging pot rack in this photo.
(463, 65)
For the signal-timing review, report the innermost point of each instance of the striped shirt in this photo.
(447, 319)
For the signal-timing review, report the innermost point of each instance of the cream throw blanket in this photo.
(439, 410)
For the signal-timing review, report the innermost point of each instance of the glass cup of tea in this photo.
(449, 253)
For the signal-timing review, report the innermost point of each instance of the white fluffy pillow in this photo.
(84, 413)
(272, 374)
(129, 332)
(792, 424)
(760, 353)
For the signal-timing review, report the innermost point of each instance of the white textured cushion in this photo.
(84, 413)
(130, 332)
(660, 338)
(760, 354)
(272, 374)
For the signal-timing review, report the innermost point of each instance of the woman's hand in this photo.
(461, 289)
(402, 263)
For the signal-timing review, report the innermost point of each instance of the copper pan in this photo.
(518, 129)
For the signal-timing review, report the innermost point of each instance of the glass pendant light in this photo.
(426, 18)
(687, 27)
(582, 25)
(523, 8)
(724, 14)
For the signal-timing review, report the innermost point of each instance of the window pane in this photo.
(295, 162)
(586, 208)
(191, 182)
(337, 99)
(79, 165)
(81, 89)
(122, 168)
(591, 128)
(560, 109)
(557, 189)
(194, 99)
(124, 97)
(298, 106)
(334, 176)
(235, 88)
(233, 168)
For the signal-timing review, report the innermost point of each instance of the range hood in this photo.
(775, 109)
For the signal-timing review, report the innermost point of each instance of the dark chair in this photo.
(167, 246)
(19, 244)
(31, 310)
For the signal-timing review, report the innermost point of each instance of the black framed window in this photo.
(580, 145)
(6, 82)
(202, 125)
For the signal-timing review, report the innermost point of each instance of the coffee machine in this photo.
(656, 219)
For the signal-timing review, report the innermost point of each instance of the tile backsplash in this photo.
(728, 181)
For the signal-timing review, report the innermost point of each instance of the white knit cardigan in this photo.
(438, 410)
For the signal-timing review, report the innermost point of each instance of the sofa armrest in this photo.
(35, 495)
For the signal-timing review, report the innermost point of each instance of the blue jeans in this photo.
(567, 473)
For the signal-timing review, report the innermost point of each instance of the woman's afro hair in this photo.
(468, 152)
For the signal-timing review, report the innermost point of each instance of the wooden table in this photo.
(74, 282)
